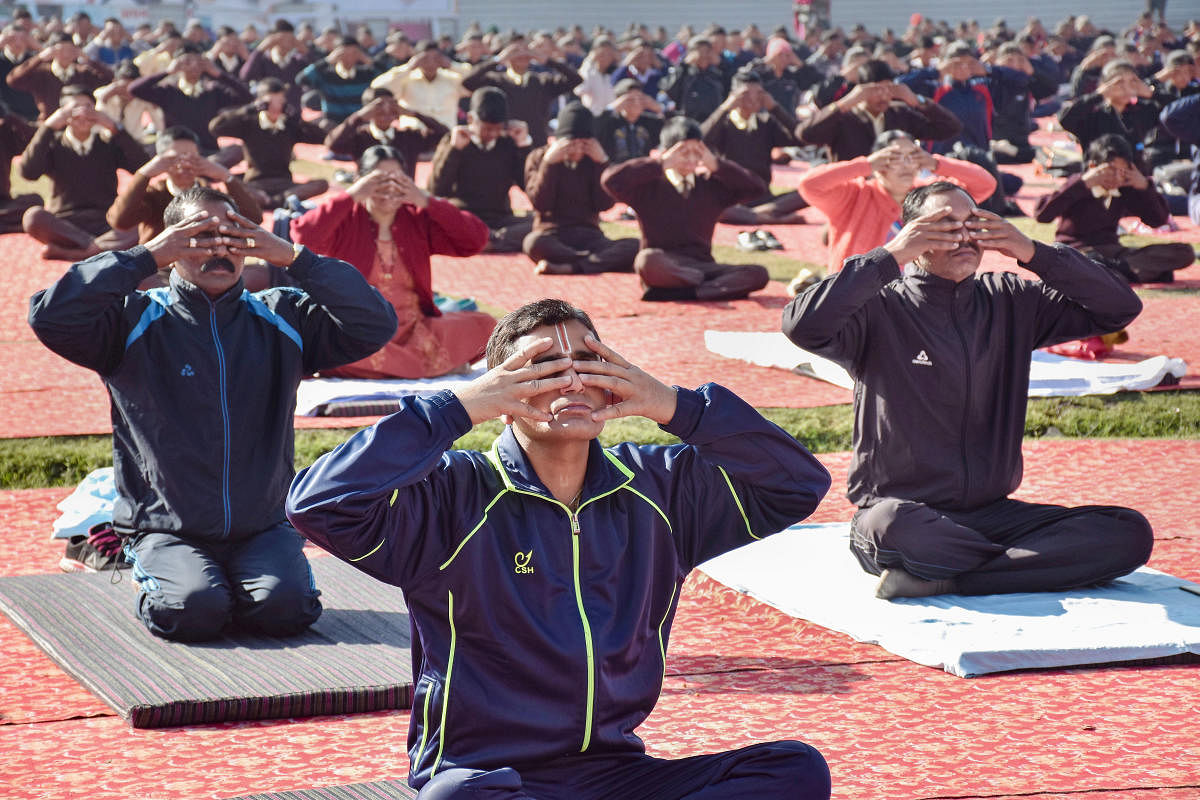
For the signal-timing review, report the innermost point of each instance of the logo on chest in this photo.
(523, 562)
(923, 360)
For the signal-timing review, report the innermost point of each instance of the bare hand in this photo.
(927, 233)
(409, 193)
(460, 137)
(505, 390)
(557, 152)
(253, 241)
(634, 391)
(196, 237)
(518, 131)
(207, 168)
(367, 186)
(595, 152)
(993, 232)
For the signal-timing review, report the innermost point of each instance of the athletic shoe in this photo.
(749, 241)
(769, 241)
(100, 550)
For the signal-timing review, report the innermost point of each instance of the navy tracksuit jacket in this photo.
(541, 632)
(204, 390)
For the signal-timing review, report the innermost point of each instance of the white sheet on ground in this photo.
(91, 503)
(808, 571)
(316, 394)
(1050, 375)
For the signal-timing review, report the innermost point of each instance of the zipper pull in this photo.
(574, 524)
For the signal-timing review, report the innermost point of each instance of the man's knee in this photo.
(473, 784)
(789, 769)
(1129, 538)
(280, 605)
(196, 613)
(533, 245)
(33, 220)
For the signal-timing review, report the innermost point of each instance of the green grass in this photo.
(64, 461)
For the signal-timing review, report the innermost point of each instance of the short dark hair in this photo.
(549, 311)
(191, 49)
(380, 152)
(372, 92)
(1104, 149)
(173, 134)
(874, 71)
(74, 90)
(1109, 70)
(887, 137)
(195, 196)
(676, 130)
(1177, 58)
(271, 85)
(914, 201)
(283, 26)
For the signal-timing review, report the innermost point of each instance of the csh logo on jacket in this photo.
(522, 560)
(923, 359)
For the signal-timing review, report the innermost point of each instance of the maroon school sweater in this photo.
(670, 221)
(564, 196)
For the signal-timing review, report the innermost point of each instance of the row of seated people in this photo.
(718, 170)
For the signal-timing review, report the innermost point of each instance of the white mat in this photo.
(807, 571)
(315, 395)
(1050, 375)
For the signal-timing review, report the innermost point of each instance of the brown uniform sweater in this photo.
(478, 180)
(268, 152)
(562, 195)
(36, 77)
(80, 182)
(529, 101)
(751, 149)
(670, 221)
(850, 135)
(354, 136)
(141, 205)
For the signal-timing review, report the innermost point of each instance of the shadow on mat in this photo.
(337, 626)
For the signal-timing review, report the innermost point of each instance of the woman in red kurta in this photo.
(387, 227)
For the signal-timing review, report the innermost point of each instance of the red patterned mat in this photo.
(738, 672)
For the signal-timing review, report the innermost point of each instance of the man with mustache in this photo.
(940, 356)
(202, 376)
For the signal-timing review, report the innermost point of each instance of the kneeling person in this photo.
(570, 553)
(203, 378)
(941, 359)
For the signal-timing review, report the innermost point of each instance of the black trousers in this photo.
(785, 770)
(584, 247)
(1005, 546)
(712, 281)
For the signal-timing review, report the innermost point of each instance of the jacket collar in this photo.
(605, 473)
(936, 290)
(197, 300)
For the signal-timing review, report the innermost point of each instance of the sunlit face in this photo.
(963, 260)
(959, 68)
(79, 119)
(192, 66)
(902, 168)
(182, 169)
(571, 407)
(217, 274)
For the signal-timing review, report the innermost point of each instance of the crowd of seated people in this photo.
(678, 131)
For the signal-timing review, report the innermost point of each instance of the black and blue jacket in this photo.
(203, 390)
(540, 631)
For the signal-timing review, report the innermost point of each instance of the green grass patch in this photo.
(65, 460)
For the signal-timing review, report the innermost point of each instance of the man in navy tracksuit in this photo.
(940, 359)
(202, 377)
(542, 577)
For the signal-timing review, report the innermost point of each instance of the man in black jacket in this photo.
(203, 378)
(941, 361)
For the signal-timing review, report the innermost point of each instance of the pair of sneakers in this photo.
(758, 240)
(99, 550)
